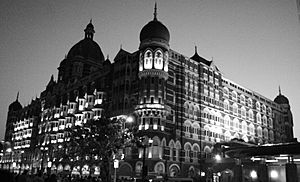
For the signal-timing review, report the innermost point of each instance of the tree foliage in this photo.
(102, 138)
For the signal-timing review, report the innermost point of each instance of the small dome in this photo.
(15, 106)
(281, 99)
(86, 48)
(155, 30)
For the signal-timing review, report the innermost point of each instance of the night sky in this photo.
(255, 43)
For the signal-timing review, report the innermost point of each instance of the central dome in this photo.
(87, 47)
(155, 30)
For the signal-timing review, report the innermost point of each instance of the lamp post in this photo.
(21, 161)
(43, 149)
(142, 143)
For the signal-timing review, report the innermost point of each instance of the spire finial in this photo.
(120, 46)
(107, 56)
(91, 20)
(17, 96)
(279, 90)
(155, 11)
(195, 49)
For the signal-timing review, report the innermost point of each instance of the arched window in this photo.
(234, 96)
(156, 148)
(206, 131)
(265, 133)
(250, 102)
(226, 105)
(138, 167)
(235, 108)
(244, 127)
(178, 148)
(242, 98)
(191, 110)
(269, 111)
(186, 109)
(187, 126)
(270, 122)
(159, 168)
(141, 62)
(271, 135)
(264, 120)
(258, 118)
(148, 58)
(243, 112)
(250, 112)
(207, 151)
(188, 151)
(225, 91)
(236, 124)
(259, 131)
(166, 58)
(263, 108)
(227, 121)
(257, 105)
(196, 150)
(172, 150)
(158, 60)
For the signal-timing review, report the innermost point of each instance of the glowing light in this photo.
(202, 173)
(49, 164)
(129, 119)
(218, 157)
(253, 174)
(274, 174)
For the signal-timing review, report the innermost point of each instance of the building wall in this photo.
(184, 105)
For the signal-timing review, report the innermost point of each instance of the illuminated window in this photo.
(158, 60)
(166, 58)
(257, 105)
(259, 131)
(148, 59)
(250, 114)
(249, 102)
(258, 118)
(226, 105)
(234, 96)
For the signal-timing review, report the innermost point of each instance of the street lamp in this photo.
(142, 143)
(21, 161)
(253, 175)
(43, 149)
(218, 157)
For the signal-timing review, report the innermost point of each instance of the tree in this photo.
(96, 141)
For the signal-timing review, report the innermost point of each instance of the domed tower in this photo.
(287, 115)
(83, 58)
(12, 116)
(153, 74)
